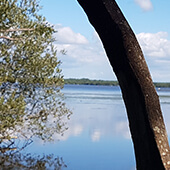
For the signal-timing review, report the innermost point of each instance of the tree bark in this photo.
(142, 102)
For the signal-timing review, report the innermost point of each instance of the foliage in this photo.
(22, 162)
(13, 157)
(90, 82)
(30, 78)
(162, 84)
(26, 56)
(86, 81)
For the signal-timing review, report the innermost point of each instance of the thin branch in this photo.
(13, 30)
(18, 29)
(8, 38)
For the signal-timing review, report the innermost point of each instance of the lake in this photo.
(98, 137)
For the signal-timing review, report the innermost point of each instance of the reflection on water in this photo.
(12, 156)
(98, 136)
(101, 109)
(20, 161)
(26, 115)
(164, 95)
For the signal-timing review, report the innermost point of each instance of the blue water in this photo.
(98, 137)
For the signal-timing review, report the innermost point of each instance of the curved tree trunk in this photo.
(142, 102)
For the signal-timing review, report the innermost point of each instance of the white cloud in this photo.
(144, 4)
(156, 48)
(65, 35)
(155, 45)
(84, 58)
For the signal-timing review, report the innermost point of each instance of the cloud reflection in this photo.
(95, 136)
(98, 115)
(101, 115)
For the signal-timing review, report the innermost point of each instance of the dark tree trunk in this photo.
(142, 102)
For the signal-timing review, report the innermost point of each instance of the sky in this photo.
(85, 56)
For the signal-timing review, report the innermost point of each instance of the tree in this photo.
(27, 161)
(31, 103)
(12, 157)
(142, 103)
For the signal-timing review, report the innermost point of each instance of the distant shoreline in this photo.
(85, 81)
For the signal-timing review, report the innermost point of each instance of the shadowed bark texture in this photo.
(142, 102)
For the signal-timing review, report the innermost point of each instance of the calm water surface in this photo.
(98, 137)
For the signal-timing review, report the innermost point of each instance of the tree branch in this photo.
(8, 38)
(13, 30)
(18, 29)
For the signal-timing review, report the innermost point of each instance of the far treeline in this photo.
(85, 81)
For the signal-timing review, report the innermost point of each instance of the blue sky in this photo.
(85, 55)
